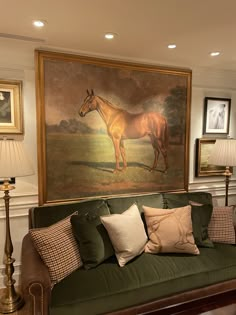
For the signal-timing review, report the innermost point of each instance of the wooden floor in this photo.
(22, 311)
(227, 310)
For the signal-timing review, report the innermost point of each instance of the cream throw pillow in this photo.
(127, 234)
(170, 230)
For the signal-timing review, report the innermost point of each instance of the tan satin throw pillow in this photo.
(170, 231)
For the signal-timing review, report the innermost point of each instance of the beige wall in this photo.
(17, 62)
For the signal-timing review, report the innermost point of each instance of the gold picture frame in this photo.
(204, 147)
(76, 157)
(11, 107)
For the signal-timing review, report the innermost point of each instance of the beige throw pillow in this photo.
(58, 249)
(127, 234)
(170, 230)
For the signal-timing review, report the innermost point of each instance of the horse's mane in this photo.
(111, 105)
(117, 107)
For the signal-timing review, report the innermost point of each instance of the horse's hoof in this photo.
(117, 170)
(165, 171)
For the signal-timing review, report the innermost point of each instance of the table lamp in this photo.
(13, 163)
(224, 154)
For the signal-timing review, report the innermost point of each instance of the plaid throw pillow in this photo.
(221, 226)
(58, 249)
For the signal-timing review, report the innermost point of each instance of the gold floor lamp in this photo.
(13, 163)
(224, 154)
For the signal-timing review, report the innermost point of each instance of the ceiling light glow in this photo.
(215, 53)
(110, 35)
(39, 23)
(172, 46)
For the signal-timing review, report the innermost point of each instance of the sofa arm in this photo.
(35, 279)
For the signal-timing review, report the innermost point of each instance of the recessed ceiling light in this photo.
(110, 35)
(39, 23)
(172, 46)
(215, 53)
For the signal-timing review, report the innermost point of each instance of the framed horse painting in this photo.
(110, 127)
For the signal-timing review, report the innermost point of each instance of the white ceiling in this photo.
(144, 28)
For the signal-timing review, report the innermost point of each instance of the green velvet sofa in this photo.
(149, 284)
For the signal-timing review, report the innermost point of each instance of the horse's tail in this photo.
(159, 128)
(166, 134)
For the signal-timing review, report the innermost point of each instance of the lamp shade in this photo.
(223, 153)
(13, 159)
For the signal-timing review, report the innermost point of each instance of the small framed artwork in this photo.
(204, 147)
(11, 120)
(216, 115)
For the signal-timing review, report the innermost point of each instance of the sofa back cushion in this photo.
(175, 200)
(120, 204)
(44, 216)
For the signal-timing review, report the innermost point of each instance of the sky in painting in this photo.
(134, 89)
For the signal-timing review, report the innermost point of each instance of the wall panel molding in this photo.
(9, 73)
(20, 201)
(214, 186)
(217, 189)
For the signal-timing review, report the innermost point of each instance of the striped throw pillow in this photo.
(221, 226)
(58, 249)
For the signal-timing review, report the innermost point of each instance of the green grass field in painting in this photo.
(82, 166)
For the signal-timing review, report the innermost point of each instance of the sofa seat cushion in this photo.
(108, 287)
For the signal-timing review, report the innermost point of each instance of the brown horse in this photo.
(123, 125)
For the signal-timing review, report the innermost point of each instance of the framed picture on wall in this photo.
(11, 111)
(216, 115)
(204, 147)
(110, 128)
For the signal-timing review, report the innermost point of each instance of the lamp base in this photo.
(10, 301)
